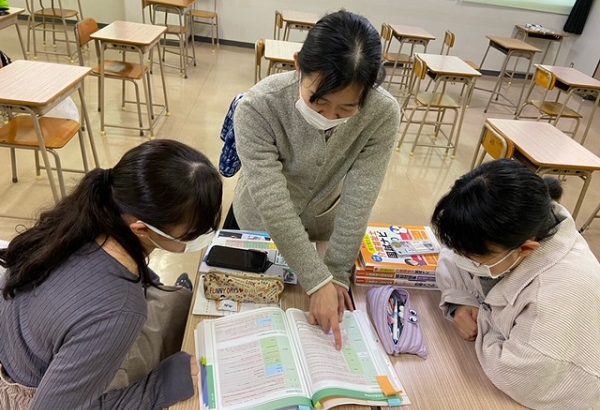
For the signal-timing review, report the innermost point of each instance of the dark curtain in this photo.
(578, 16)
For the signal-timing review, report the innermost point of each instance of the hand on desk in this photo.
(324, 310)
(465, 321)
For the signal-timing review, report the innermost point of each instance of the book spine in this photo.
(393, 273)
(360, 280)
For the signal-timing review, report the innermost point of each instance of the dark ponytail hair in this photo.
(501, 202)
(343, 48)
(162, 182)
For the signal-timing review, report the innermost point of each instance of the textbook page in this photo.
(250, 363)
(350, 373)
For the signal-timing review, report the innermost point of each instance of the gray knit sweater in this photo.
(301, 184)
(69, 335)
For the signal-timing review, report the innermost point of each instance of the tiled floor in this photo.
(198, 106)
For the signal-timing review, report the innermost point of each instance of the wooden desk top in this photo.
(180, 4)
(451, 377)
(402, 31)
(278, 50)
(514, 44)
(545, 33)
(11, 18)
(126, 32)
(452, 65)
(572, 77)
(545, 145)
(299, 17)
(37, 84)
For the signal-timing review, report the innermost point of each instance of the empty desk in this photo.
(297, 20)
(547, 149)
(527, 31)
(132, 37)
(408, 35)
(11, 19)
(510, 47)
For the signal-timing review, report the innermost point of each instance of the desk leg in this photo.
(162, 79)
(478, 147)
(462, 116)
(21, 42)
(47, 165)
(557, 51)
(484, 57)
(593, 216)
(496, 89)
(587, 179)
(589, 124)
(88, 124)
(524, 83)
(101, 90)
(146, 85)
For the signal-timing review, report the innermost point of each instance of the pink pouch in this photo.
(411, 339)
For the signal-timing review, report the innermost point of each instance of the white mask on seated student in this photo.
(315, 119)
(195, 245)
(483, 270)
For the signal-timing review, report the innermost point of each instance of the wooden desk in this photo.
(450, 378)
(278, 51)
(571, 80)
(510, 47)
(548, 150)
(443, 70)
(412, 36)
(132, 37)
(12, 20)
(297, 20)
(35, 88)
(181, 8)
(550, 36)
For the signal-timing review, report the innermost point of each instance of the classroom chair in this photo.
(207, 17)
(494, 145)
(49, 17)
(113, 69)
(434, 102)
(392, 59)
(448, 43)
(549, 110)
(20, 133)
(278, 25)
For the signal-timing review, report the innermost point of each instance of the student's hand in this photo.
(344, 301)
(194, 370)
(323, 311)
(465, 321)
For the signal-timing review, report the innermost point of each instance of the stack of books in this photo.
(402, 255)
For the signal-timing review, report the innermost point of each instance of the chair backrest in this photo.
(259, 53)
(420, 68)
(83, 31)
(144, 6)
(544, 79)
(448, 43)
(386, 37)
(278, 25)
(496, 145)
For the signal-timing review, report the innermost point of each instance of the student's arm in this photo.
(268, 188)
(361, 188)
(450, 281)
(531, 364)
(88, 359)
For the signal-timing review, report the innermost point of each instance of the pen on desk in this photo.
(395, 332)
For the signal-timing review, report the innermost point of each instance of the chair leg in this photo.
(13, 165)
(84, 159)
(59, 172)
(408, 122)
(36, 157)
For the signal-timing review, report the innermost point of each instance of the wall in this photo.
(248, 20)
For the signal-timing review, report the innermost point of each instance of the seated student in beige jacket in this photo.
(522, 282)
(314, 146)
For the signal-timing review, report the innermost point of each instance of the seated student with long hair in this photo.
(520, 281)
(74, 292)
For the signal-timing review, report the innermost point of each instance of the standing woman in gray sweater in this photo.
(74, 292)
(314, 146)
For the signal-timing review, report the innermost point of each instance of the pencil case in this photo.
(379, 304)
(243, 287)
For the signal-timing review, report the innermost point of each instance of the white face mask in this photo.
(315, 119)
(194, 245)
(480, 269)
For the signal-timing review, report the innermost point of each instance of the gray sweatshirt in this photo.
(69, 335)
(301, 184)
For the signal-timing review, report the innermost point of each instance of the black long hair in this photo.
(501, 202)
(161, 182)
(343, 48)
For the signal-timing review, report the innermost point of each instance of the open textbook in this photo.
(268, 359)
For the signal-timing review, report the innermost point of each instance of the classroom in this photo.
(263, 205)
